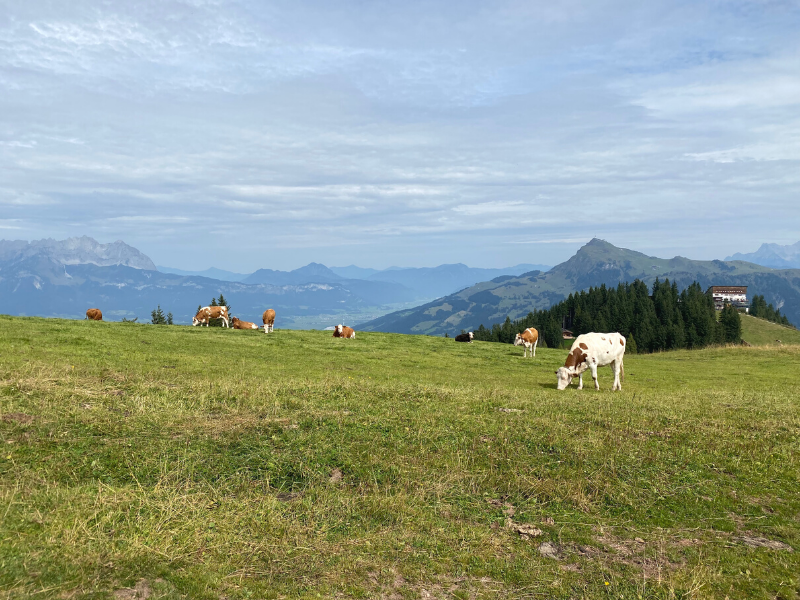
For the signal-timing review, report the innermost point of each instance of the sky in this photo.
(247, 135)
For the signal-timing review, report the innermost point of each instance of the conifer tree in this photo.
(157, 316)
(731, 324)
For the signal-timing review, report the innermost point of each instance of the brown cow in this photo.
(94, 314)
(211, 312)
(239, 324)
(528, 338)
(269, 320)
(343, 331)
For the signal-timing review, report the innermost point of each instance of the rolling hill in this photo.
(596, 263)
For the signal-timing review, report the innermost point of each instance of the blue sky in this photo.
(245, 134)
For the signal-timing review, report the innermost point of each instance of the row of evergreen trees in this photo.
(157, 317)
(651, 320)
(759, 308)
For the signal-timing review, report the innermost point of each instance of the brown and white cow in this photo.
(343, 331)
(528, 338)
(269, 320)
(239, 324)
(94, 314)
(592, 350)
(211, 312)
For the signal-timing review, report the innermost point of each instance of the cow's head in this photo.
(565, 376)
(470, 335)
(339, 329)
(518, 341)
(235, 319)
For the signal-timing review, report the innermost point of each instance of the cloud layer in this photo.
(242, 134)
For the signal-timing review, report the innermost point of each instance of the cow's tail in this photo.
(621, 371)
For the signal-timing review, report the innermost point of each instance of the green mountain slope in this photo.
(596, 263)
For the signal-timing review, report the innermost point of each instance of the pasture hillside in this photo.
(178, 462)
(760, 332)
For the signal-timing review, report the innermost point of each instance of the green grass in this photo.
(761, 332)
(229, 464)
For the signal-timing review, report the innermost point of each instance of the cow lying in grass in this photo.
(239, 324)
(528, 338)
(464, 337)
(343, 331)
(211, 312)
(592, 350)
(94, 314)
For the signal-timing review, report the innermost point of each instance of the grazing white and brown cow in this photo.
(269, 320)
(239, 324)
(343, 331)
(464, 337)
(207, 313)
(528, 338)
(94, 314)
(592, 350)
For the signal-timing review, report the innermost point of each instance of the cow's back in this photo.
(600, 348)
(268, 317)
(530, 335)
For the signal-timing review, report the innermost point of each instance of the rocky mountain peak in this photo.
(77, 251)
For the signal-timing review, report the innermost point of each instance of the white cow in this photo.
(592, 350)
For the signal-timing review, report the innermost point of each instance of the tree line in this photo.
(661, 318)
(759, 308)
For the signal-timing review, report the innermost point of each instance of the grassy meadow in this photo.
(761, 333)
(177, 462)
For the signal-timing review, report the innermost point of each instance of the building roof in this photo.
(728, 289)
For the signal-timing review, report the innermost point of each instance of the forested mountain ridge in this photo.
(595, 264)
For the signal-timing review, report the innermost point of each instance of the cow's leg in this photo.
(580, 381)
(534, 347)
(615, 368)
(594, 376)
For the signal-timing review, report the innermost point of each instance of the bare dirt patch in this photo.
(762, 542)
(549, 550)
(336, 476)
(141, 591)
(18, 417)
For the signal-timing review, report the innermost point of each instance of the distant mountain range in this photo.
(431, 282)
(211, 273)
(773, 255)
(64, 278)
(427, 282)
(596, 263)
